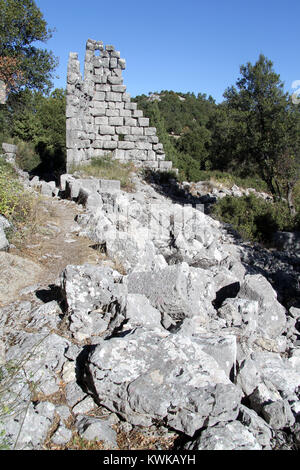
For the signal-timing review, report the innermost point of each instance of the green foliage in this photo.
(27, 158)
(37, 125)
(16, 204)
(254, 218)
(264, 122)
(10, 190)
(181, 122)
(21, 25)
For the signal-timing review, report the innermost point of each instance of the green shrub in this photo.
(19, 206)
(254, 218)
(27, 158)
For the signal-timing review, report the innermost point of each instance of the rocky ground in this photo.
(144, 324)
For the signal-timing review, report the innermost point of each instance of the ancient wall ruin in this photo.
(101, 118)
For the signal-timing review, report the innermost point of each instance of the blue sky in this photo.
(187, 45)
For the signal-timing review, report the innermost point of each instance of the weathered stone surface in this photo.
(180, 291)
(229, 436)
(95, 301)
(4, 244)
(173, 379)
(61, 436)
(42, 355)
(9, 148)
(23, 271)
(96, 429)
(28, 429)
(257, 426)
(271, 314)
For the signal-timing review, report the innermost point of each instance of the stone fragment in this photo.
(225, 436)
(150, 375)
(96, 429)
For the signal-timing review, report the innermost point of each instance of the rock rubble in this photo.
(185, 335)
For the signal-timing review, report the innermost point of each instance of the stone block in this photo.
(144, 122)
(116, 121)
(126, 97)
(131, 106)
(118, 88)
(126, 145)
(119, 154)
(111, 145)
(100, 153)
(112, 96)
(109, 186)
(113, 80)
(112, 112)
(125, 112)
(99, 96)
(115, 54)
(103, 88)
(129, 121)
(113, 63)
(98, 144)
(165, 165)
(144, 146)
(137, 113)
(136, 130)
(109, 130)
(150, 131)
(102, 120)
(96, 112)
(151, 164)
(122, 64)
(123, 130)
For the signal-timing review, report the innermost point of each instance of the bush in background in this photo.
(254, 218)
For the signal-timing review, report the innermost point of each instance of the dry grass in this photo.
(107, 168)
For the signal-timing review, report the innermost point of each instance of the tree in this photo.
(266, 128)
(22, 64)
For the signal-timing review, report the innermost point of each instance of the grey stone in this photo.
(257, 426)
(95, 301)
(225, 436)
(43, 358)
(64, 412)
(150, 375)
(84, 406)
(96, 429)
(74, 394)
(45, 315)
(4, 244)
(109, 186)
(271, 314)
(180, 291)
(29, 429)
(139, 312)
(4, 223)
(278, 414)
(9, 148)
(61, 436)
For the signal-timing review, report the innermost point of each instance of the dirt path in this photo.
(55, 245)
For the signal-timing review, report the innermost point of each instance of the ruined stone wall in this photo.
(101, 118)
